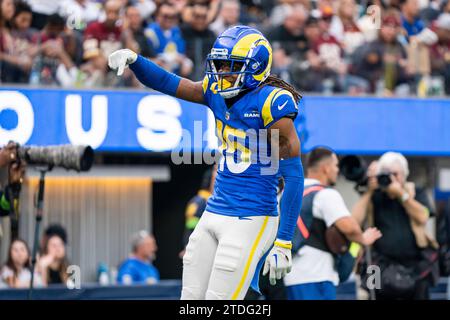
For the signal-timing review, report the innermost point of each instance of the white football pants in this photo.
(222, 255)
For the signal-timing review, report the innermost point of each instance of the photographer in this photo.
(325, 226)
(400, 211)
(16, 170)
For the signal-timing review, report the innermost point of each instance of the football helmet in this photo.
(240, 59)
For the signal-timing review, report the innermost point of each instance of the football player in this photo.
(240, 230)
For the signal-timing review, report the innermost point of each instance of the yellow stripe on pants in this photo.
(249, 261)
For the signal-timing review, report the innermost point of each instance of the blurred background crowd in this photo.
(382, 47)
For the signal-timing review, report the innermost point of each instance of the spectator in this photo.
(199, 40)
(325, 67)
(253, 13)
(134, 38)
(332, 65)
(184, 8)
(400, 211)
(167, 41)
(368, 23)
(281, 11)
(411, 21)
(53, 263)
(291, 32)
(16, 273)
(308, 73)
(314, 275)
(145, 7)
(281, 63)
(15, 44)
(383, 62)
(100, 40)
(53, 65)
(22, 43)
(327, 46)
(9, 62)
(42, 10)
(79, 13)
(431, 11)
(440, 51)
(228, 16)
(344, 27)
(138, 269)
(446, 6)
(54, 229)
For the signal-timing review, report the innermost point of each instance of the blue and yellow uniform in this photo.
(240, 189)
(240, 226)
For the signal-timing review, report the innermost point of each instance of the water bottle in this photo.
(34, 78)
(380, 88)
(113, 276)
(437, 87)
(423, 86)
(35, 72)
(328, 85)
(103, 277)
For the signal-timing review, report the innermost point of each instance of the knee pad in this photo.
(228, 256)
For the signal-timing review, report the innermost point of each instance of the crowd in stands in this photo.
(383, 47)
(52, 265)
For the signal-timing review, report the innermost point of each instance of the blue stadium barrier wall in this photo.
(137, 121)
(165, 290)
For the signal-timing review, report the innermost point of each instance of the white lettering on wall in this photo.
(161, 129)
(99, 122)
(19, 103)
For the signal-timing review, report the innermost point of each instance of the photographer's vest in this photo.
(310, 230)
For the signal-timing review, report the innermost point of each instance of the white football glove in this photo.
(121, 59)
(278, 261)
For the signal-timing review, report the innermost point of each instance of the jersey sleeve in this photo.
(278, 104)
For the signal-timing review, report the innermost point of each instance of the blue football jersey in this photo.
(244, 186)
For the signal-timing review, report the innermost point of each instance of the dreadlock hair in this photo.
(279, 83)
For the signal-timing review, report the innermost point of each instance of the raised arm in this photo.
(155, 77)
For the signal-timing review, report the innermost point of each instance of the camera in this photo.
(79, 158)
(354, 169)
(384, 180)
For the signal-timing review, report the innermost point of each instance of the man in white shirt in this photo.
(313, 275)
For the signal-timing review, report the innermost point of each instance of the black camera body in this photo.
(384, 180)
(354, 169)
